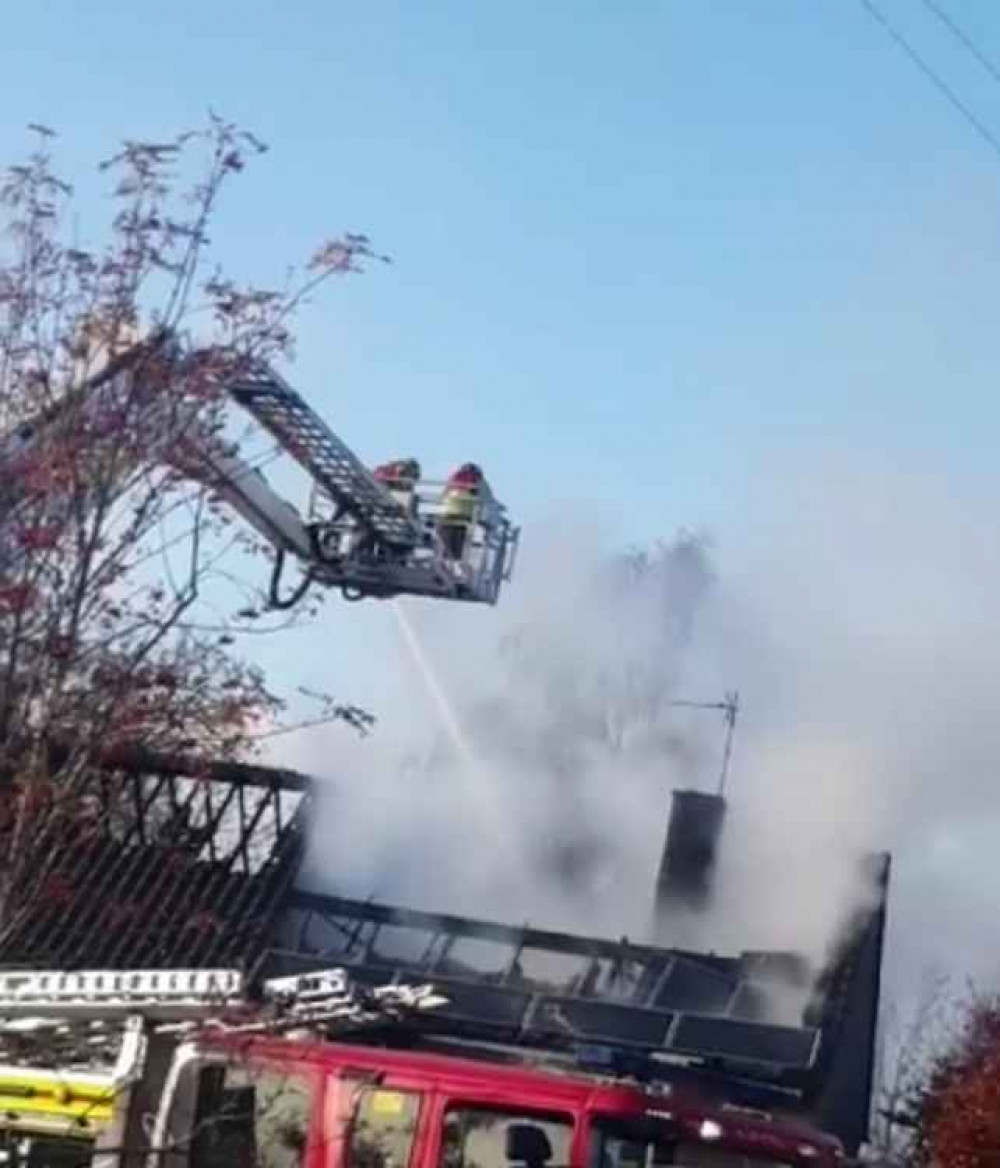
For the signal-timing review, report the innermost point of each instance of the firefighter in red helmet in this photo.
(400, 478)
(459, 502)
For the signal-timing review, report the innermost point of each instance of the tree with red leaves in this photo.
(957, 1115)
(121, 599)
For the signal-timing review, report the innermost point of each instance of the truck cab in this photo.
(228, 1103)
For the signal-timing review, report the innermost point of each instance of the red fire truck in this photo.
(354, 1106)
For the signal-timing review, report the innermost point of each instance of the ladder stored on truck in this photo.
(82, 1064)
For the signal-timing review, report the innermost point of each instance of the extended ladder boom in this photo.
(363, 541)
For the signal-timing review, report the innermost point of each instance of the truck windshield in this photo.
(645, 1144)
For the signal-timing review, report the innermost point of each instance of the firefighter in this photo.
(458, 507)
(400, 479)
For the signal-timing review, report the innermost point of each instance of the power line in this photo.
(963, 38)
(933, 77)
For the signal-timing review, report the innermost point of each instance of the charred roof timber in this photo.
(538, 988)
(160, 862)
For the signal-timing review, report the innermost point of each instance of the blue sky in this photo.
(641, 249)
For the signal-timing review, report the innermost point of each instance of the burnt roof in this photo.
(158, 862)
(540, 988)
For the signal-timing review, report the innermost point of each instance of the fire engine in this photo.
(197, 1069)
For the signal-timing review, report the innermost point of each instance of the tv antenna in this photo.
(730, 707)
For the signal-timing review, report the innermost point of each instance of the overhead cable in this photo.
(933, 76)
(963, 38)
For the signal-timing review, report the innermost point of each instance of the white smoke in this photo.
(856, 609)
(543, 790)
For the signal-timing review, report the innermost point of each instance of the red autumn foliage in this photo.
(959, 1109)
(57, 891)
(40, 537)
(15, 598)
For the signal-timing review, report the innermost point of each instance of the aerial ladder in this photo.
(354, 535)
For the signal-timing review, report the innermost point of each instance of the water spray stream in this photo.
(481, 784)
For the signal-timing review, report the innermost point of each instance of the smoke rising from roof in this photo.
(858, 615)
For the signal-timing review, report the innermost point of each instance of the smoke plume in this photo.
(856, 609)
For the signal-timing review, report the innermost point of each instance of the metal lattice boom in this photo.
(307, 438)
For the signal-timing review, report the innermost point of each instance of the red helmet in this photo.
(401, 468)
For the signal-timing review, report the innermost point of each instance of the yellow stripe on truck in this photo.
(65, 1098)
